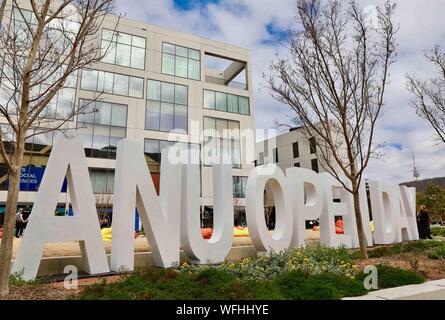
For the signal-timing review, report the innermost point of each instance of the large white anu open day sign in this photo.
(171, 220)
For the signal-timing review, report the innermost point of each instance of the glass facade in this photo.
(101, 126)
(102, 181)
(123, 49)
(181, 62)
(239, 187)
(60, 107)
(226, 102)
(167, 107)
(112, 83)
(222, 142)
(153, 148)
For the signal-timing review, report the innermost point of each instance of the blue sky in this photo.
(260, 25)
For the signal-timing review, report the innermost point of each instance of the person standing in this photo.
(423, 223)
(22, 220)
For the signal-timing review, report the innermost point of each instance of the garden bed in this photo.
(315, 272)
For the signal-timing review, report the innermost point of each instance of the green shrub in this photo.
(159, 284)
(214, 284)
(313, 259)
(438, 231)
(300, 286)
(437, 253)
(406, 247)
(390, 277)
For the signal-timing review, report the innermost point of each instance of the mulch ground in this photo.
(53, 291)
(430, 269)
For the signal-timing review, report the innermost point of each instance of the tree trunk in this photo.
(359, 220)
(7, 241)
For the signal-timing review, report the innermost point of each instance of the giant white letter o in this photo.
(259, 233)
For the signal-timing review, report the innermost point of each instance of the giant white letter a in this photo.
(67, 158)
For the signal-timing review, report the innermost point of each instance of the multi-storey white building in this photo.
(288, 150)
(159, 86)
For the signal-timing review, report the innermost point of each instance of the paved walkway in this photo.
(65, 249)
(431, 290)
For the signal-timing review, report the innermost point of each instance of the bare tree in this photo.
(41, 49)
(334, 80)
(429, 95)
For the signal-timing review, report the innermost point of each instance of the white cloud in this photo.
(244, 23)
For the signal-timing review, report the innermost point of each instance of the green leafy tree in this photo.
(434, 199)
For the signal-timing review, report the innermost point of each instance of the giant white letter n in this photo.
(160, 215)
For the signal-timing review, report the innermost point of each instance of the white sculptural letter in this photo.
(67, 159)
(333, 209)
(215, 249)
(385, 212)
(159, 215)
(306, 192)
(407, 219)
(351, 224)
(259, 233)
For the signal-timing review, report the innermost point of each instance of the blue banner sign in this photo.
(31, 177)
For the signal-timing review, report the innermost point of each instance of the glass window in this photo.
(244, 105)
(152, 115)
(65, 103)
(232, 103)
(181, 62)
(313, 145)
(209, 99)
(124, 38)
(123, 49)
(89, 80)
(138, 42)
(102, 113)
(226, 102)
(181, 95)
(168, 92)
(194, 54)
(121, 85)
(167, 117)
(181, 117)
(123, 55)
(101, 127)
(218, 146)
(154, 90)
(119, 115)
(181, 67)
(168, 48)
(314, 164)
(138, 58)
(108, 52)
(166, 107)
(221, 101)
(106, 82)
(136, 87)
(181, 51)
(209, 124)
(168, 64)
(296, 149)
(194, 69)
